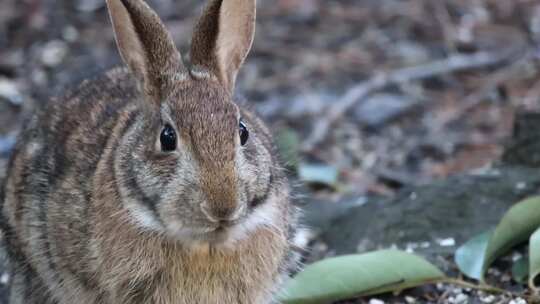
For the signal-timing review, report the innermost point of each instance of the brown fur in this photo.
(145, 46)
(94, 211)
(223, 38)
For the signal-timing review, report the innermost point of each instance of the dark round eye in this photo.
(244, 133)
(168, 139)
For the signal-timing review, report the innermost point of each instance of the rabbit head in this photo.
(193, 165)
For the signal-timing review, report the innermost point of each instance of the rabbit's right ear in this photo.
(145, 46)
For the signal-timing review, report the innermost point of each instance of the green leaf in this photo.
(318, 174)
(520, 270)
(515, 227)
(350, 276)
(475, 256)
(534, 261)
(288, 143)
(470, 257)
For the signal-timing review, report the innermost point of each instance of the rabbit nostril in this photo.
(226, 223)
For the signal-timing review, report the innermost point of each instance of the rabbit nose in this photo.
(221, 214)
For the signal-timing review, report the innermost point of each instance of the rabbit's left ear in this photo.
(223, 38)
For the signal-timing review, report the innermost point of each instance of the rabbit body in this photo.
(96, 211)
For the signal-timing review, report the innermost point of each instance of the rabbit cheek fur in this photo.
(94, 211)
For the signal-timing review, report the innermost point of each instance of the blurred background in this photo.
(308, 54)
(373, 102)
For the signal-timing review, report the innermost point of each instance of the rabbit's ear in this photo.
(223, 38)
(145, 45)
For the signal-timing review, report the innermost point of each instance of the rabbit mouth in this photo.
(216, 234)
(221, 233)
(215, 238)
(213, 235)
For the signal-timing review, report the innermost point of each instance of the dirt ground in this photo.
(389, 94)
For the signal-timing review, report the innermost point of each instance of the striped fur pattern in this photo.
(93, 211)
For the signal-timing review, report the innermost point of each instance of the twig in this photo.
(444, 296)
(530, 101)
(492, 82)
(451, 64)
(482, 287)
(445, 20)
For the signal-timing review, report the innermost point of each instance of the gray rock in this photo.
(6, 144)
(89, 5)
(381, 108)
(524, 147)
(431, 219)
(409, 52)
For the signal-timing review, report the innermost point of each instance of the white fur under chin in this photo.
(264, 216)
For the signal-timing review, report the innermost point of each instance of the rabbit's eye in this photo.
(244, 133)
(168, 139)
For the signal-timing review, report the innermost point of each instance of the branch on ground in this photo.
(452, 64)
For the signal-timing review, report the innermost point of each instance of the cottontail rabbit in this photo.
(150, 185)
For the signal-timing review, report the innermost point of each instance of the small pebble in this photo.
(518, 301)
(449, 242)
(89, 6)
(410, 300)
(54, 53)
(10, 91)
(516, 256)
(459, 299)
(4, 279)
(39, 77)
(70, 33)
(488, 299)
(6, 144)
(425, 245)
(376, 301)
(521, 185)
